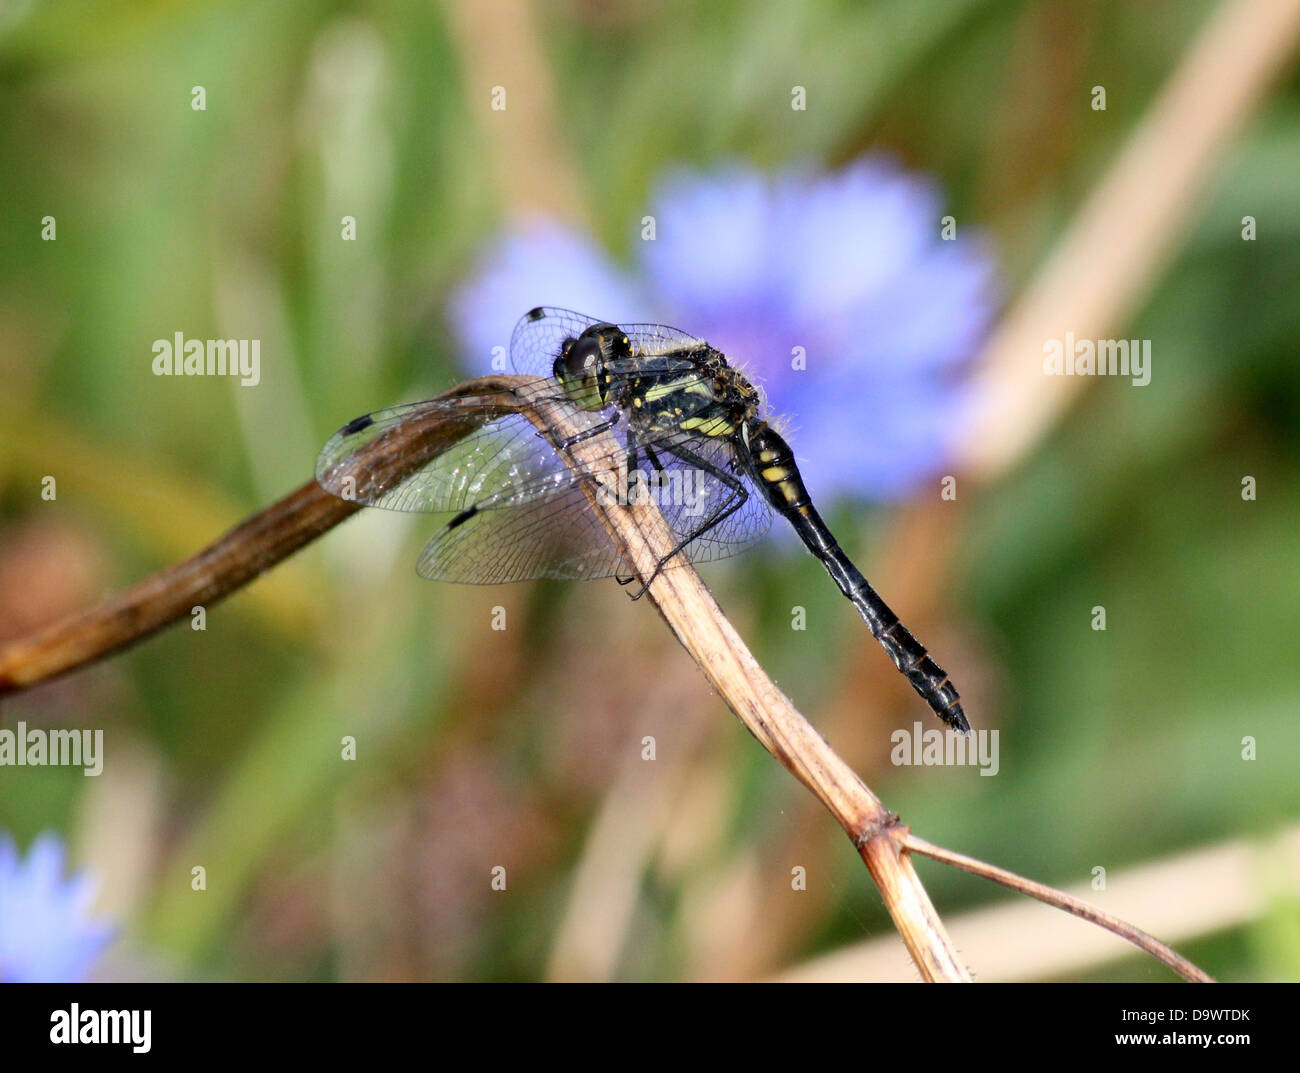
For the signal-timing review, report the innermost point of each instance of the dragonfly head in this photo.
(584, 364)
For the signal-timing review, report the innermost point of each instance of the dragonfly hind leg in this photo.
(738, 499)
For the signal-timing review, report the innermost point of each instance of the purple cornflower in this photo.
(46, 932)
(850, 267)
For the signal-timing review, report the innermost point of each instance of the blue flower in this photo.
(844, 274)
(46, 933)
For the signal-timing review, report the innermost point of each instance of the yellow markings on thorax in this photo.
(714, 425)
(654, 396)
(685, 385)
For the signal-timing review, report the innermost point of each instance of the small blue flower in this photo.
(46, 933)
(845, 274)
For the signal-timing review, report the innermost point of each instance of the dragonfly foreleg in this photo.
(587, 433)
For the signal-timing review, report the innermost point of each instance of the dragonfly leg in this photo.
(631, 468)
(632, 452)
(739, 496)
(587, 433)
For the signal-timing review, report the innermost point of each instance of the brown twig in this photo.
(1061, 900)
(234, 559)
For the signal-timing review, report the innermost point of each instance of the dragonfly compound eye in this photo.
(581, 369)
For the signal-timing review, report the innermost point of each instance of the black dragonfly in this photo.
(690, 432)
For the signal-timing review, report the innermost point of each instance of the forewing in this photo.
(541, 333)
(539, 336)
(504, 463)
(506, 452)
(655, 340)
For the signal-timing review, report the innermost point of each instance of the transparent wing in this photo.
(713, 509)
(558, 536)
(542, 332)
(504, 463)
(539, 336)
(716, 491)
(654, 340)
(507, 452)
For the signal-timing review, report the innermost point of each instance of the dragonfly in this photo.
(684, 428)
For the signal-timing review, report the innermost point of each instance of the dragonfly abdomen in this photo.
(779, 477)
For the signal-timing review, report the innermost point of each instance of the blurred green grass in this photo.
(1116, 747)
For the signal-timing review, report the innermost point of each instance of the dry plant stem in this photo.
(232, 561)
(1061, 900)
(700, 626)
(164, 597)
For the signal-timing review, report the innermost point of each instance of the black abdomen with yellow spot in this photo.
(776, 473)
